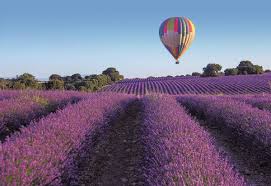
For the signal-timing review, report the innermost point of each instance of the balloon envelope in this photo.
(177, 34)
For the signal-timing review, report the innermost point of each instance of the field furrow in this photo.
(178, 150)
(228, 85)
(262, 102)
(114, 154)
(37, 154)
(241, 132)
(19, 111)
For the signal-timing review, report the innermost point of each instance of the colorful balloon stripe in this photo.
(177, 34)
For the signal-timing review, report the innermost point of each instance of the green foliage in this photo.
(231, 71)
(247, 67)
(196, 74)
(67, 79)
(3, 84)
(102, 80)
(258, 69)
(76, 77)
(89, 83)
(211, 70)
(55, 77)
(55, 84)
(244, 68)
(26, 77)
(113, 74)
(69, 86)
(121, 77)
(17, 85)
(109, 70)
(25, 81)
(82, 88)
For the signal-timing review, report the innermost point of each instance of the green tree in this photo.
(211, 70)
(55, 84)
(18, 85)
(196, 74)
(82, 88)
(76, 77)
(28, 81)
(247, 67)
(55, 77)
(121, 77)
(69, 86)
(3, 84)
(90, 76)
(103, 80)
(231, 71)
(26, 76)
(67, 79)
(95, 84)
(91, 85)
(113, 74)
(258, 69)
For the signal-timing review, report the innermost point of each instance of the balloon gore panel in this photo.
(177, 34)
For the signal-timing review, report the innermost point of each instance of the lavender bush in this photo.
(262, 102)
(179, 151)
(36, 155)
(241, 117)
(6, 94)
(19, 111)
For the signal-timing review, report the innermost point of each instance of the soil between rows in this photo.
(114, 155)
(247, 156)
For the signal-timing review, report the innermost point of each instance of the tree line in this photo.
(95, 82)
(244, 68)
(88, 83)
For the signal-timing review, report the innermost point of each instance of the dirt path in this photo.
(115, 155)
(249, 160)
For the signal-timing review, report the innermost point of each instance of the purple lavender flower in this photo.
(36, 155)
(179, 151)
(228, 85)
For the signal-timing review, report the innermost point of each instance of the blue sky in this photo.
(87, 36)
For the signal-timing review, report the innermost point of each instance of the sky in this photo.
(87, 36)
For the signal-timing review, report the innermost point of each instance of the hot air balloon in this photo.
(177, 34)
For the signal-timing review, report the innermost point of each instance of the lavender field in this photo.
(156, 131)
(229, 85)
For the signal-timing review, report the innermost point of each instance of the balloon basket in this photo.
(177, 62)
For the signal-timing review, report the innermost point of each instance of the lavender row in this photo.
(36, 156)
(262, 102)
(226, 78)
(195, 85)
(6, 94)
(248, 121)
(179, 151)
(19, 111)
